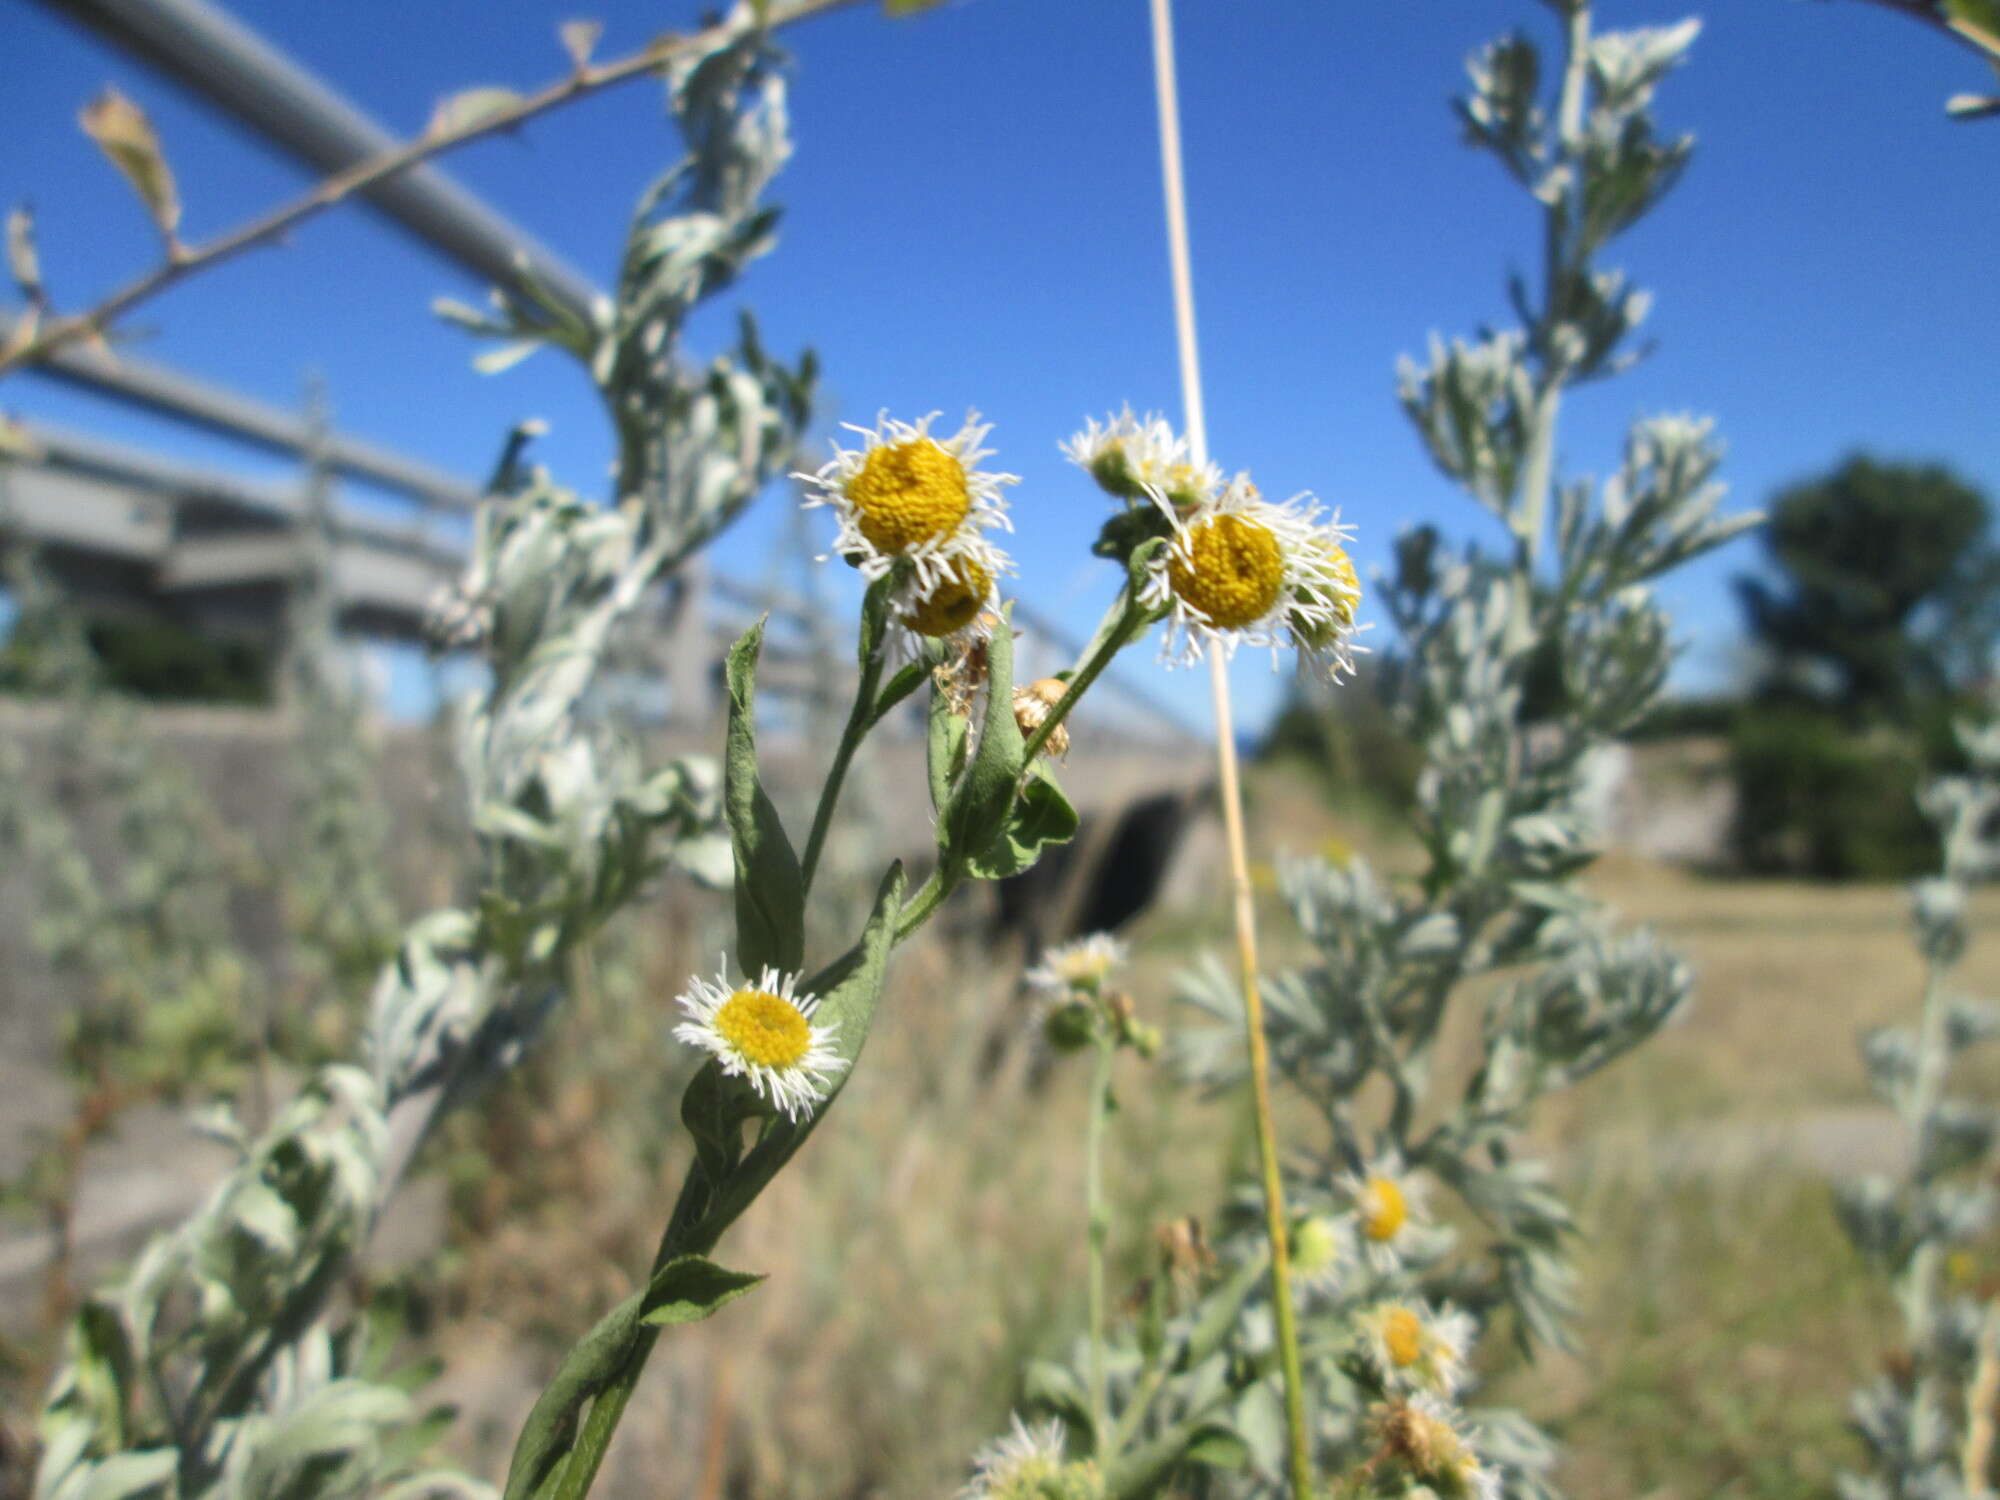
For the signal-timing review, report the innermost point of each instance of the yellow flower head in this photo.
(954, 607)
(1417, 1347)
(1388, 1206)
(1384, 1209)
(907, 494)
(1240, 568)
(764, 1032)
(1079, 967)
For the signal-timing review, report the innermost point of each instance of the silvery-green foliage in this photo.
(1912, 1419)
(143, 922)
(1511, 668)
(197, 1375)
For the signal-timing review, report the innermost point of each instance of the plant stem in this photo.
(859, 720)
(1099, 1228)
(1976, 1458)
(1106, 645)
(1275, 1224)
(44, 339)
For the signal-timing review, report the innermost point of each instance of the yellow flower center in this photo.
(908, 493)
(1230, 571)
(954, 603)
(764, 1029)
(1316, 632)
(1344, 604)
(1403, 1335)
(1386, 1210)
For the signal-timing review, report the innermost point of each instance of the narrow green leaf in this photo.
(979, 810)
(770, 894)
(906, 681)
(689, 1288)
(505, 357)
(550, 1431)
(1217, 1447)
(944, 749)
(1041, 816)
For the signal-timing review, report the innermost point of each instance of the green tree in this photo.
(1886, 592)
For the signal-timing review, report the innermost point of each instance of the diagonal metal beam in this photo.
(169, 392)
(216, 56)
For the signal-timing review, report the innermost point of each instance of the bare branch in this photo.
(53, 333)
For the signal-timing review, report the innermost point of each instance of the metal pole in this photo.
(210, 52)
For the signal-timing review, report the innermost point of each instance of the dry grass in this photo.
(931, 1237)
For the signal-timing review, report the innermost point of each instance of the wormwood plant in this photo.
(212, 1369)
(1513, 665)
(1928, 1420)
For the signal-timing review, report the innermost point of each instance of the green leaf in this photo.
(770, 894)
(944, 749)
(906, 681)
(1217, 1447)
(123, 1476)
(874, 621)
(1040, 816)
(104, 1367)
(978, 811)
(714, 1115)
(685, 1290)
(689, 1288)
(550, 1431)
(505, 357)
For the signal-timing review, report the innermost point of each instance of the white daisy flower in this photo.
(1081, 966)
(906, 494)
(1240, 568)
(1134, 458)
(764, 1033)
(1027, 1464)
(1389, 1205)
(1417, 1346)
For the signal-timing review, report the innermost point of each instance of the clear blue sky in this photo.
(972, 218)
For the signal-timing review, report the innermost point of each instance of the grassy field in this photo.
(932, 1236)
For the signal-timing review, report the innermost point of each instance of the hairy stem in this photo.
(1099, 1228)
